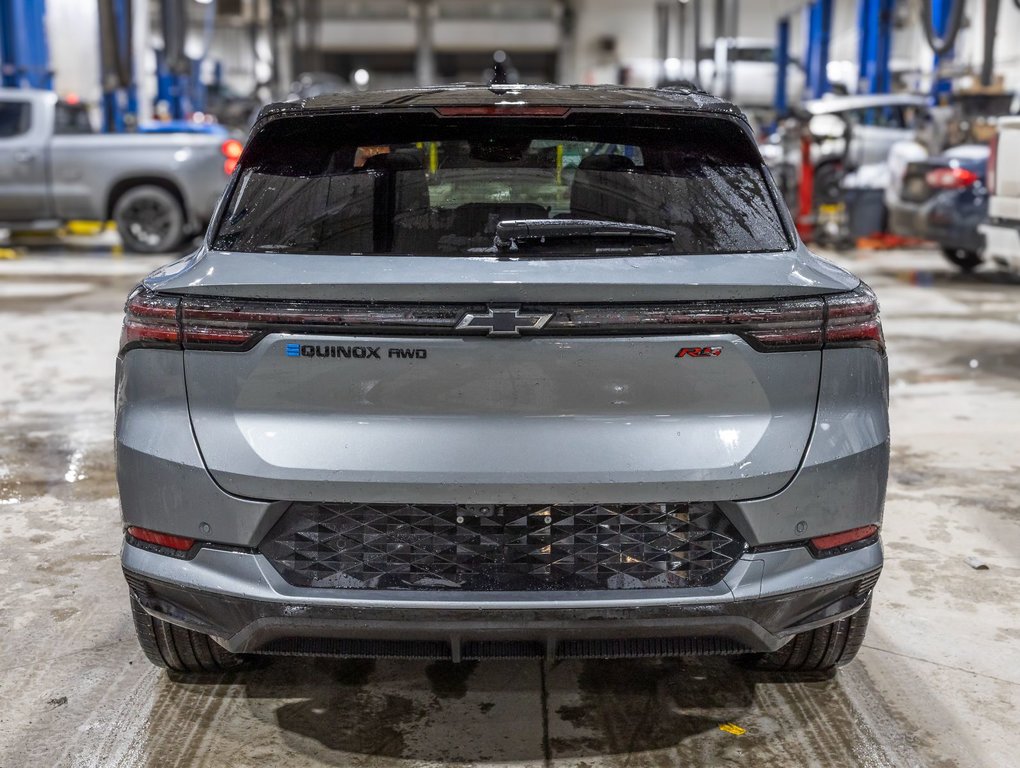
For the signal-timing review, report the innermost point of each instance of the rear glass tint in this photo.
(418, 184)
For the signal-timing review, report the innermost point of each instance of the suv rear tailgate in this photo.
(475, 420)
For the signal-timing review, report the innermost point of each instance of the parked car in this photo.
(945, 199)
(850, 137)
(1002, 230)
(874, 124)
(394, 406)
(158, 188)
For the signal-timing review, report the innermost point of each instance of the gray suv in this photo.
(502, 371)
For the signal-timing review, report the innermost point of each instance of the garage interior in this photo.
(892, 129)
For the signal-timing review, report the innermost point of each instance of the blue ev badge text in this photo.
(355, 352)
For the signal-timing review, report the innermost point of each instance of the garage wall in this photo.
(72, 28)
(631, 24)
(609, 34)
(1007, 41)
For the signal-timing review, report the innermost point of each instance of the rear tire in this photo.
(149, 219)
(820, 650)
(964, 259)
(179, 649)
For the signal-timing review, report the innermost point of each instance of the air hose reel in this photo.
(943, 44)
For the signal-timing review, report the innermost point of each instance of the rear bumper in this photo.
(949, 219)
(1003, 243)
(238, 598)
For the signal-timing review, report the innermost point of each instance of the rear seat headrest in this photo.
(400, 160)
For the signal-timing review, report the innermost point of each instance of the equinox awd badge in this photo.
(503, 321)
(357, 352)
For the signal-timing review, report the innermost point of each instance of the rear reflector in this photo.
(503, 110)
(837, 543)
(179, 543)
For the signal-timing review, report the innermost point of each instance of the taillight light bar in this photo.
(768, 325)
(842, 320)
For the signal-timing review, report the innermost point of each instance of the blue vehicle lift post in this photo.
(24, 55)
(120, 97)
(941, 87)
(782, 66)
(875, 29)
(819, 32)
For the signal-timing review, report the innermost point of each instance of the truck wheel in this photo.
(149, 219)
(820, 650)
(965, 260)
(179, 649)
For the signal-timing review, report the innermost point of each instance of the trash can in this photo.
(865, 212)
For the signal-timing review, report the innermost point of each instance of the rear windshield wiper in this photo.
(513, 234)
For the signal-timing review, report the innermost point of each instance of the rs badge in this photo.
(700, 352)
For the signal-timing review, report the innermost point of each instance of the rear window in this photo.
(14, 118)
(71, 119)
(419, 184)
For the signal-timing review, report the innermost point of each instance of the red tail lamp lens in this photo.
(180, 543)
(231, 149)
(852, 320)
(834, 543)
(951, 178)
(150, 320)
(503, 110)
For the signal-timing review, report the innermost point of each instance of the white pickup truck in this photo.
(1002, 230)
(159, 188)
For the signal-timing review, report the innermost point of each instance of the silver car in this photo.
(502, 371)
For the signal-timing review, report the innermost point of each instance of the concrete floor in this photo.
(937, 684)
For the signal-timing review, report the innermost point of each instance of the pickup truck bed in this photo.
(1002, 231)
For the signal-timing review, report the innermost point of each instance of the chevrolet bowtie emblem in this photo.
(503, 321)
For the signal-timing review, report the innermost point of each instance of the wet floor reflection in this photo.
(638, 712)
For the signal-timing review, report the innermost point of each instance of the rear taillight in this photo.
(167, 540)
(150, 320)
(851, 320)
(842, 320)
(165, 322)
(231, 149)
(993, 155)
(844, 541)
(951, 178)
